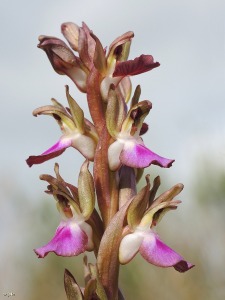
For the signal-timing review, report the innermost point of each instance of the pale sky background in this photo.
(187, 91)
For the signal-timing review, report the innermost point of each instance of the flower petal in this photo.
(88, 230)
(105, 85)
(159, 254)
(129, 247)
(52, 152)
(136, 66)
(85, 145)
(69, 240)
(138, 156)
(79, 77)
(125, 87)
(114, 155)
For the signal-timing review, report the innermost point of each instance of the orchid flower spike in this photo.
(73, 235)
(144, 240)
(128, 148)
(77, 131)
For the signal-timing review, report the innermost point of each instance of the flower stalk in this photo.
(106, 213)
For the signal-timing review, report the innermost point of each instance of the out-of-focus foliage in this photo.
(210, 185)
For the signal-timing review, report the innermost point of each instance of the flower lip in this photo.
(73, 235)
(136, 66)
(69, 240)
(136, 155)
(157, 253)
(152, 249)
(54, 151)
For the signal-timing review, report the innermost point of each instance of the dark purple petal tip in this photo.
(39, 159)
(183, 266)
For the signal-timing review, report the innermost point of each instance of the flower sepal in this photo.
(138, 206)
(63, 60)
(115, 112)
(70, 31)
(86, 191)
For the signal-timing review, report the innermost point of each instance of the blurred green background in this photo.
(186, 123)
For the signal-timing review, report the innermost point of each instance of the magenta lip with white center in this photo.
(157, 253)
(152, 249)
(138, 156)
(71, 238)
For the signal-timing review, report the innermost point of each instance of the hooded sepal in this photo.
(59, 54)
(63, 61)
(118, 51)
(135, 117)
